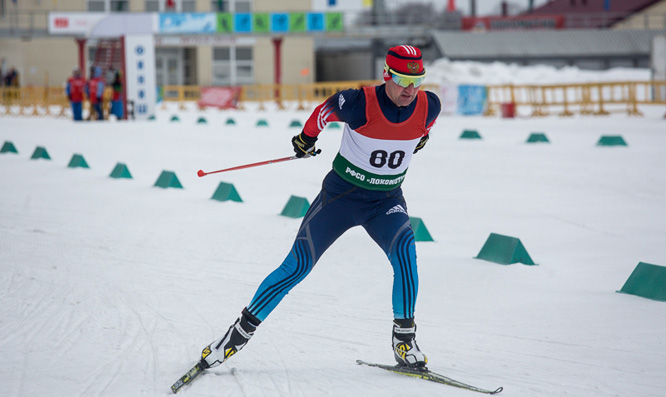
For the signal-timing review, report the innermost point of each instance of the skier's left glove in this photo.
(421, 143)
(303, 144)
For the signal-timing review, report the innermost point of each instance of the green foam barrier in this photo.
(226, 192)
(470, 134)
(8, 147)
(40, 153)
(152, 117)
(262, 123)
(334, 125)
(296, 207)
(202, 120)
(120, 171)
(175, 118)
(295, 123)
(504, 250)
(230, 121)
(536, 137)
(77, 161)
(168, 179)
(647, 281)
(420, 230)
(611, 140)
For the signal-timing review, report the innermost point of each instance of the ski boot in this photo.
(236, 337)
(405, 349)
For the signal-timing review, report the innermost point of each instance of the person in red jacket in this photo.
(75, 88)
(95, 90)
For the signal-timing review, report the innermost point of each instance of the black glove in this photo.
(421, 143)
(303, 144)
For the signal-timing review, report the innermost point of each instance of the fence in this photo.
(587, 99)
(541, 100)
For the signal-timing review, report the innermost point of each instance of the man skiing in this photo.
(384, 126)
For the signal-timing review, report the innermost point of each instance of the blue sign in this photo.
(280, 22)
(471, 99)
(315, 22)
(243, 22)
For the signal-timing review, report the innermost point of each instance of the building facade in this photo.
(214, 59)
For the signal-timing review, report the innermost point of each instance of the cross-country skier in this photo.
(384, 126)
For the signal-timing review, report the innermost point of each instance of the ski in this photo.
(429, 375)
(189, 376)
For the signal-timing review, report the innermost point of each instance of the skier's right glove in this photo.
(303, 144)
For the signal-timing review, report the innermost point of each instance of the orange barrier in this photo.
(542, 100)
(589, 98)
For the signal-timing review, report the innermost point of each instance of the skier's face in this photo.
(400, 96)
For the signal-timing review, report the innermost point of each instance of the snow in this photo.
(111, 287)
(445, 71)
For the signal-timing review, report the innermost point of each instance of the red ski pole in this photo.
(240, 167)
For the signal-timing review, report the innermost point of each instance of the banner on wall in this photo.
(191, 22)
(274, 22)
(140, 75)
(74, 22)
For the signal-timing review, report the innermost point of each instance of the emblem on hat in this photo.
(413, 67)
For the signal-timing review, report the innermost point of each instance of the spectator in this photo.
(75, 87)
(95, 92)
(117, 100)
(12, 78)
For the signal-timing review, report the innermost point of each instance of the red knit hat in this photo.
(404, 59)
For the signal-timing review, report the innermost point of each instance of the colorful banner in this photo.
(191, 22)
(219, 97)
(275, 22)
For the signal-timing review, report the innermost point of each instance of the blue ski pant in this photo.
(339, 207)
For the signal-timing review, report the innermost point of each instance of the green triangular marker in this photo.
(226, 192)
(40, 153)
(296, 207)
(536, 137)
(120, 171)
(8, 147)
(504, 250)
(647, 281)
(168, 179)
(420, 230)
(77, 161)
(611, 140)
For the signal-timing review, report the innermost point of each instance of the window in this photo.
(108, 5)
(96, 5)
(231, 5)
(152, 6)
(189, 6)
(233, 65)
